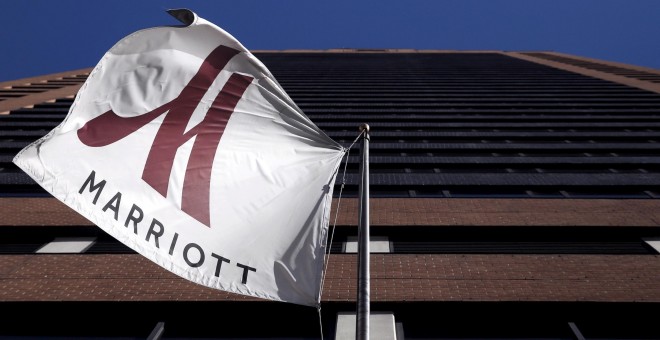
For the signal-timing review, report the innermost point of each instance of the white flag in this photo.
(183, 146)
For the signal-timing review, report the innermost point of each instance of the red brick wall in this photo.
(597, 278)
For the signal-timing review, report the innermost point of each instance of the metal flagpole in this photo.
(363, 306)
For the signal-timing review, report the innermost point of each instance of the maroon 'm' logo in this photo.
(109, 128)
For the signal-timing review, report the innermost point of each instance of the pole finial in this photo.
(364, 127)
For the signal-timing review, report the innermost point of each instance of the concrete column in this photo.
(381, 326)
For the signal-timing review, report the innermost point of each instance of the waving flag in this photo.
(183, 146)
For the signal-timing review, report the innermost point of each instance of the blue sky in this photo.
(40, 37)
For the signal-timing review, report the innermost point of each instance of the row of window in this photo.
(404, 240)
(411, 321)
(437, 191)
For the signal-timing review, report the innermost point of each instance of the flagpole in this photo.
(363, 303)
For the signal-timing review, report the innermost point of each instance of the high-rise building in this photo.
(513, 195)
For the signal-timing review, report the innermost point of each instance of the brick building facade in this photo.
(516, 195)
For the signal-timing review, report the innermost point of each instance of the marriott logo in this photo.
(109, 128)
